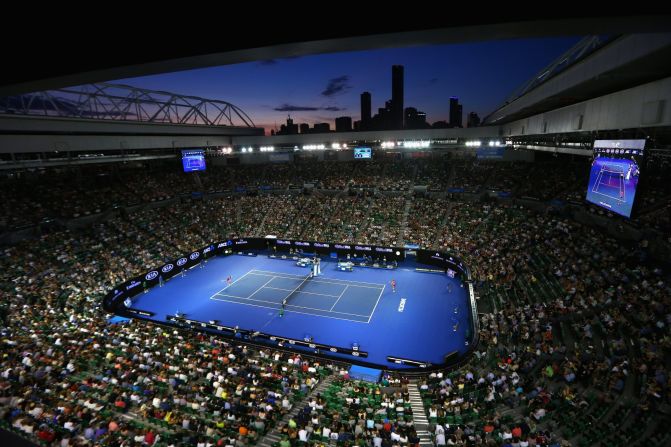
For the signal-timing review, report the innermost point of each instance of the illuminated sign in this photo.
(241, 242)
(281, 242)
(132, 285)
(302, 244)
(344, 247)
(195, 255)
(362, 248)
(166, 268)
(384, 250)
(320, 245)
(151, 275)
(181, 262)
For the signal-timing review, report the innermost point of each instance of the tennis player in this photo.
(284, 303)
(393, 285)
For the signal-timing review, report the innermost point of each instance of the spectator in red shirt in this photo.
(150, 438)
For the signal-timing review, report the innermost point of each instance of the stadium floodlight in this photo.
(388, 144)
(314, 147)
(335, 146)
(413, 144)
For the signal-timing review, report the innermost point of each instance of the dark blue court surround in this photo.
(336, 308)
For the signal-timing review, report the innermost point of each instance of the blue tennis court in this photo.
(610, 183)
(426, 318)
(324, 297)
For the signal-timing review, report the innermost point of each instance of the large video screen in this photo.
(363, 152)
(614, 176)
(490, 153)
(193, 160)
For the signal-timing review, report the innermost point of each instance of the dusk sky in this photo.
(322, 87)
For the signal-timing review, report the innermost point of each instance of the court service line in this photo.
(376, 303)
(261, 288)
(342, 282)
(336, 301)
(301, 291)
(231, 284)
(292, 305)
(295, 311)
(279, 274)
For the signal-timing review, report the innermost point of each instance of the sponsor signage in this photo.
(384, 250)
(401, 361)
(133, 284)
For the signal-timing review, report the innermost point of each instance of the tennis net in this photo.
(296, 291)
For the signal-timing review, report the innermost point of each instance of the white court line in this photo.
(292, 305)
(297, 312)
(260, 288)
(302, 291)
(610, 197)
(376, 303)
(336, 302)
(231, 284)
(279, 274)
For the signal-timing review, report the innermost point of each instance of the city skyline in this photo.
(320, 88)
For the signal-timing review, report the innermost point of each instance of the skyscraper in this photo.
(415, 119)
(343, 124)
(365, 111)
(397, 96)
(473, 120)
(455, 112)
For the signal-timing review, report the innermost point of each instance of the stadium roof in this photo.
(65, 56)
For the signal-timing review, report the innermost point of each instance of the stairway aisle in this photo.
(419, 414)
(273, 435)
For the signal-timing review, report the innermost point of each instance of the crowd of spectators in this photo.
(29, 198)
(574, 336)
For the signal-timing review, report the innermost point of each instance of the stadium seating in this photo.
(574, 324)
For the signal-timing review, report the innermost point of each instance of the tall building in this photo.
(343, 124)
(365, 111)
(473, 120)
(321, 127)
(455, 112)
(414, 119)
(305, 128)
(289, 129)
(397, 96)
